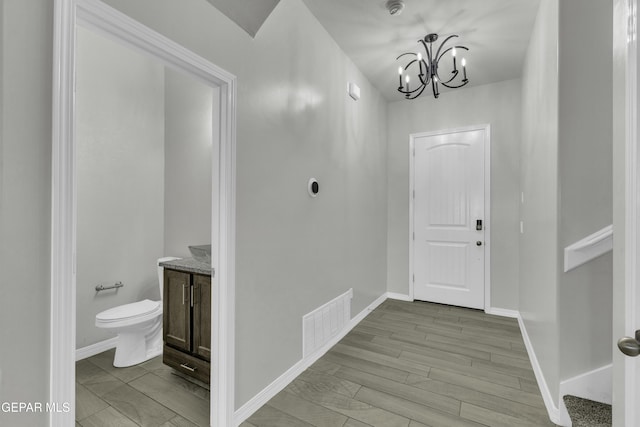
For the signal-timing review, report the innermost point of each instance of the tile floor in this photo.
(416, 364)
(149, 394)
(407, 364)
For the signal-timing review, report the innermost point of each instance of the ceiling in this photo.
(248, 14)
(495, 31)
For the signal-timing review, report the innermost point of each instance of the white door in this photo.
(449, 217)
(626, 292)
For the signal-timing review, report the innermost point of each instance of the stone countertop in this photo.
(188, 265)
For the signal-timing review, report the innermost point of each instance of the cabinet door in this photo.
(202, 316)
(176, 323)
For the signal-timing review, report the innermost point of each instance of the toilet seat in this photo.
(136, 312)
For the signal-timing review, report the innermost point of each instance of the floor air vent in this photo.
(325, 322)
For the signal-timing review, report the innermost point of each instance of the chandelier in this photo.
(426, 67)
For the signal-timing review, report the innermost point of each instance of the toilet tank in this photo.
(161, 272)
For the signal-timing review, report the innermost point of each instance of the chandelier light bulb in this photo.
(400, 70)
(464, 62)
(419, 56)
(406, 78)
(453, 52)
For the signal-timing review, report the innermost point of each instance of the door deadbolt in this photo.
(478, 243)
(478, 224)
(630, 346)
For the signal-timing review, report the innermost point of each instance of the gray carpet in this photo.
(587, 413)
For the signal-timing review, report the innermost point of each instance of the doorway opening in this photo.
(70, 15)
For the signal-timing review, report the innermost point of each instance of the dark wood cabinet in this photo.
(202, 316)
(187, 323)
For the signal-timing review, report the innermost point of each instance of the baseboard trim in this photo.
(93, 349)
(593, 385)
(399, 297)
(514, 314)
(552, 409)
(246, 410)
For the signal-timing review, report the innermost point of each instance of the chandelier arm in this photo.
(454, 87)
(428, 51)
(406, 53)
(442, 44)
(457, 47)
(405, 92)
(455, 74)
(419, 93)
(425, 78)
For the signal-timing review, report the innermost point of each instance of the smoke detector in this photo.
(394, 6)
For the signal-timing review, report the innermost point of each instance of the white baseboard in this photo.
(246, 410)
(502, 312)
(399, 297)
(552, 409)
(594, 385)
(93, 349)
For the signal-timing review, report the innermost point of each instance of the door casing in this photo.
(487, 204)
(100, 17)
(626, 251)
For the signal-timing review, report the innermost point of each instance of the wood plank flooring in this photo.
(149, 394)
(407, 364)
(415, 364)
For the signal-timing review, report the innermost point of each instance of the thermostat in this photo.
(313, 187)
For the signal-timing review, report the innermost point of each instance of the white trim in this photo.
(283, 380)
(514, 314)
(62, 330)
(632, 219)
(593, 385)
(399, 297)
(487, 203)
(590, 247)
(97, 348)
(552, 409)
(98, 16)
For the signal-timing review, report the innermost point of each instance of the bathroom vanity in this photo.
(187, 317)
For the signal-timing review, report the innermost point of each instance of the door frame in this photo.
(487, 204)
(626, 377)
(100, 17)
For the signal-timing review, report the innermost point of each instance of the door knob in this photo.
(630, 346)
(478, 243)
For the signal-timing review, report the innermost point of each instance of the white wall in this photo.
(295, 121)
(585, 180)
(25, 212)
(187, 171)
(539, 257)
(496, 104)
(120, 185)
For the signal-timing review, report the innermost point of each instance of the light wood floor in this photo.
(416, 364)
(406, 364)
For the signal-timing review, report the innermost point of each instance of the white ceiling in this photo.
(248, 14)
(495, 31)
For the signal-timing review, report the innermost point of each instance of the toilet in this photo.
(138, 325)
